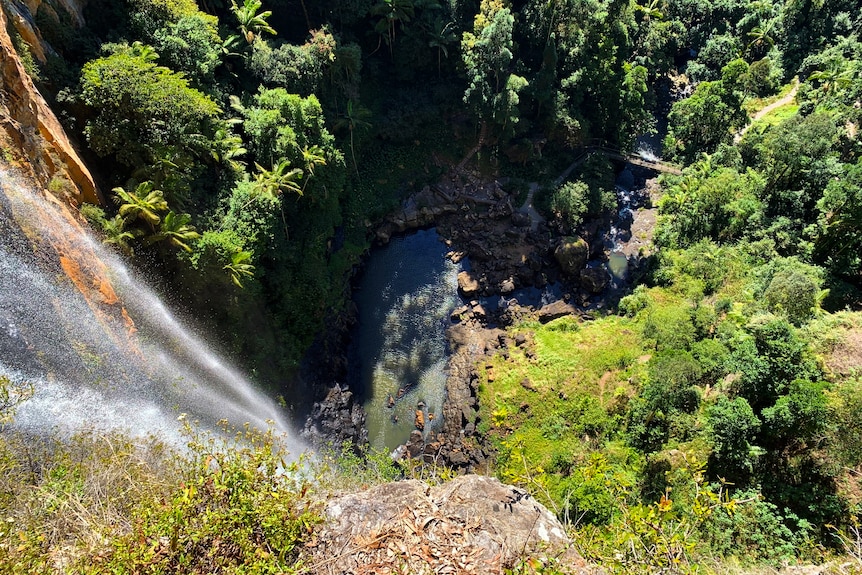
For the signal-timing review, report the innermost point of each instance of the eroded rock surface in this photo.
(472, 524)
(32, 139)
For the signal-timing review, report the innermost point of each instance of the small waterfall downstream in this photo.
(99, 347)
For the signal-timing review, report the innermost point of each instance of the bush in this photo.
(239, 508)
(755, 530)
(792, 294)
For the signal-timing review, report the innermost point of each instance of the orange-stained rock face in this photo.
(35, 147)
(31, 137)
(55, 235)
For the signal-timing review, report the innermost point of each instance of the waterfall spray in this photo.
(100, 347)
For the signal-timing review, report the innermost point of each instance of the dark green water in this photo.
(404, 298)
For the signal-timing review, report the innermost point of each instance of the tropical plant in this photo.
(239, 267)
(117, 234)
(442, 35)
(311, 156)
(354, 118)
(251, 22)
(176, 230)
(391, 13)
(145, 203)
(273, 183)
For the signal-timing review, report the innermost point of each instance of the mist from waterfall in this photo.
(88, 369)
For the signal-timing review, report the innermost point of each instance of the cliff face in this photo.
(40, 170)
(32, 139)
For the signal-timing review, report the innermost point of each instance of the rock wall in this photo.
(32, 140)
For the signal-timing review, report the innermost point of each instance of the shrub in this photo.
(239, 508)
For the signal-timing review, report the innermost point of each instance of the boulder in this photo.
(571, 253)
(507, 286)
(595, 280)
(468, 284)
(472, 524)
(555, 310)
(521, 220)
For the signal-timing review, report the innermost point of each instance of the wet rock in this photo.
(336, 418)
(459, 313)
(521, 220)
(507, 286)
(595, 280)
(415, 444)
(480, 313)
(571, 254)
(468, 284)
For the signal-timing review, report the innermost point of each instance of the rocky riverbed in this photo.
(508, 252)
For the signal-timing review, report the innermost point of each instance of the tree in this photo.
(137, 108)
(708, 117)
(311, 156)
(239, 267)
(251, 22)
(442, 35)
(392, 13)
(281, 178)
(192, 46)
(838, 232)
(732, 426)
(353, 119)
(145, 204)
(792, 294)
(176, 230)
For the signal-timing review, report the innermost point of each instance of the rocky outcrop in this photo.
(572, 254)
(595, 280)
(337, 418)
(470, 525)
(31, 136)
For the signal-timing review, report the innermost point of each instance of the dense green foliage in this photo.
(250, 147)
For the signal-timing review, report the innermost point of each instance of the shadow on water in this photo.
(404, 298)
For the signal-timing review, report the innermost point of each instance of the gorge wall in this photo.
(32, 140)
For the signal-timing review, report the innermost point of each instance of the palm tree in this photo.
(311, 156)
(353, 119)
(272, 183)
(227, 147)
(176, 229)
(761, 40)
(441, 36)
(391, 12)
(116, 234)
(239, 267)
(145, 203)
(834, 78)
(650, 9)
(252, 23)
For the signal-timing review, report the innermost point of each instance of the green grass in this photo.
(559, 394)
(754, 105)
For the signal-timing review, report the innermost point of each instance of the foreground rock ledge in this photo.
(472, 524)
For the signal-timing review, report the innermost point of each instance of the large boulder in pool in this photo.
(468, 284)
(571, 254)
(595, 280)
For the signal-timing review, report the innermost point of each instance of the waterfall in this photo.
(98, 345)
